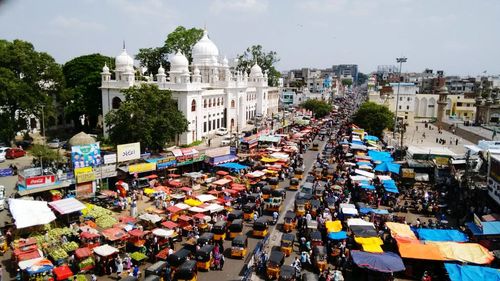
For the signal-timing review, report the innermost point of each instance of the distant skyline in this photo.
(457, 36)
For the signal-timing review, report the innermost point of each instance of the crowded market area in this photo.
(321, 199)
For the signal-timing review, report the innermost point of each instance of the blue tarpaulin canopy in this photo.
(364, 164)
(337, 235)
(370, 138)
(380, 155)
(367, 210)
(442, 235)
(489, 228)
(383, 262)
(367, 186)
(390, 186)
(357, 142)
(458, 272)
(388, 167)
(233, 166)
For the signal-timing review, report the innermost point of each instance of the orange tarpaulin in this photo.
(465, 252)
(421, 251)
(400, 230)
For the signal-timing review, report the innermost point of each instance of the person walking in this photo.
(222, 260)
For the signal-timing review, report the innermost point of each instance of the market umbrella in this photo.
(381, 262)
(81, 139)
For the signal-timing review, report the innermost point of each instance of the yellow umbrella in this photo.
(192, 202)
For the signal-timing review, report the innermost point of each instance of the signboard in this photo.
(6, 172)
(129, 151)
(478, 222)
(110, 158)
(85, 177)
(31, 172)
(166, 162)
(40, 181)
(408, 173)
(84, 190)
(186, 160)
(441, 161)
(88, 155)
(141, 168)
(219, 151)
(494, 169)
(83, 170)
(105, 171)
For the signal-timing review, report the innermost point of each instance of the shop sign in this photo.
(190, 160)
(83, 170)
(84, 190)
(88, 155)
(40, 181)
(441, 161)
(219, 151)
(85, 177)
(408, 173)
(31, 172)
(110, 158)
(141, 168)
(166, 162)
(105, 171)
(129, 151)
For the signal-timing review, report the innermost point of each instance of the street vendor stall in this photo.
(36, 269)
(104, 254)
(28, 213)
(62, 272)
(84, 259)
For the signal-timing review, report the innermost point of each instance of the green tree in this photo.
(45, 154)
(374, 118)
(346, 82)
(28, 81)
(318, 107)
(148, 115)
(266, 60)
(362, 78)
(83, 79)
(297, 84)
(181, 39)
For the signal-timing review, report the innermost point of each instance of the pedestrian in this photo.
(119, 267)
(93, 277)
(133, 209)
(456, 141)
(136, 271)
(168, 273)
(222, 260)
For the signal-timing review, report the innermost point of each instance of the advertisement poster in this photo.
(88, 155)
(84, 190)
(129, 151)
(110, 158)
(40, 181)
(141, 168)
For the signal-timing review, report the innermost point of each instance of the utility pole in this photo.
(400, 60)
(43, 124)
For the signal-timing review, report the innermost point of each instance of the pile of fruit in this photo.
(103, 217)
(106, 221)
(70, 246)
(57, 253)
(138, 256)
(86, 262)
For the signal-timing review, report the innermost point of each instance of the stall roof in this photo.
(206, 197)
(358, 221)
(182, 206)
(384, 262)
(105, 250)
(364, 173)
(153, 218)
(233, 166)
(421, 251)
(67, 206)
(269, 138)
(465, 252)
(488, 228)
(420, 164)
(28, 213)
(401, 230)
(429, 234)
(113, 234)
(458, 272)
(222, 182)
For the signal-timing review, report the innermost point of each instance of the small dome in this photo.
(178, 62)
(205, 50)
(123, 60)
(256, 71)
(161, 70)
(105, 69)
(129, 69)
(196, 71)
(225, 62)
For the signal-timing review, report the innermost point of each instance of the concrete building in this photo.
(346, 71)
(208, 92)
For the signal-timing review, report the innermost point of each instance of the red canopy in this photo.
(222, 173)
(174, 209)
(152, 177)
(83, 252)
(88, 235)
(174, 183)
(185, 218)
(231, 191)
(238, 187)
(62, 272)
(113, 234)
(136, 232)
(213, 192)
(28, 255)
(199, 216)
(127, 219)
(174, 176)
(169, 224)
(162, 188)
(186, 189)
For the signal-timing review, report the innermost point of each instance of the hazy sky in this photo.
(457, 36)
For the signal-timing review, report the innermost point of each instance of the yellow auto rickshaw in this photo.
(299, 173)
(3, 245)
(319, 258)
(294, 184)
(266, 192)
(239, 246)
(236, 228)
(219, 230)
(315, 146)
(289, 221)
(274, 182)
(204, 257)
(329, 174)
(276, 260)
(187, 271)
(318, 173)
(248, 210)
(287, 240)
(300, 207)
(260, 227)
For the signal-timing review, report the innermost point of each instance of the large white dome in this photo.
(256, 71)
(205, 51)
(123, 60)
(179, 62)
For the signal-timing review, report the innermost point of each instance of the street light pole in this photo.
(43, 123)
(400, 61)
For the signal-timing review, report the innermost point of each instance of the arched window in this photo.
(193, 105)
(218, 101)
(232, 104)
(205, 103)
(222, 101)
(116, 102)
(209, 102)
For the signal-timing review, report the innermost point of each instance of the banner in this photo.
(6, 172)
(88, 155)
(31, 172)
(83, 170)
(85, 177)
(105, 171)
(141, 168)
(166, 162)
(186, 160)
(110, 158)
(129, 151)
(40, 181)
(84, 190)
(219, 151)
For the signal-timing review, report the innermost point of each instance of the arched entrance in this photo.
(232, 124)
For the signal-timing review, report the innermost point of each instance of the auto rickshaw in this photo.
(276, 260)
(287, 240)
(329, 174)
(156, 269)
(289, 221)
(330, 203)
(186, 272)
(315, 146)
(319, 191)
(260, 227)
(315, 205)
(319, 258)
(252, 197)
(273, 204)
(266, 192)
(300, 207)
(206, 238)
(236, 228)
(239, 246)
(299, 173)
(233, 215)
(248, 210)
(274, 182)
(204, 257)
(219, 230)
(294, 184)
(178, 257)
(318, 173)
(316, 238)
(287, 273)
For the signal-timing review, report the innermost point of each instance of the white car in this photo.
(55, 143)
(3, 151)
(221, 132)
(225, 141)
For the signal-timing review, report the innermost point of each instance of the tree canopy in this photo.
(346, 82)
(148, 115)
(266, 60)
(83, 79)
(374, 118)
(318, 107)
(181, 39)
(28, 80)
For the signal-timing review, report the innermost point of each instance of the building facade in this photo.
(208, 92)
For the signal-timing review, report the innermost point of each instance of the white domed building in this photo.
(208, 92)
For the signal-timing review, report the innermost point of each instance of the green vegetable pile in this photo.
(86, 262)
(138, 256)
(105, 221)
(70, 246)
(57, 254)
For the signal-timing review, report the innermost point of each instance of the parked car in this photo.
(3, 151)
(221, 132)
(55, 143)
(24, 144)
(250, 122)
(13, 153)
(2, 197)
(225, 141)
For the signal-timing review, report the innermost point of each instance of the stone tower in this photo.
(442, 102)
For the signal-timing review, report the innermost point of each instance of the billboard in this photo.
(129, 151)
(110, 158)
(141, 168)
(88, 155)
(40, 181)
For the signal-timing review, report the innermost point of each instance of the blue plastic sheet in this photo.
(489, 228)
(390, 186)
(471, 272)
(233, 166)
(337, 235)
(367, 186)
(371, 138)
(380, 155)
(357, 142)
(388, 167)
(441, 235)
(383, 262)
